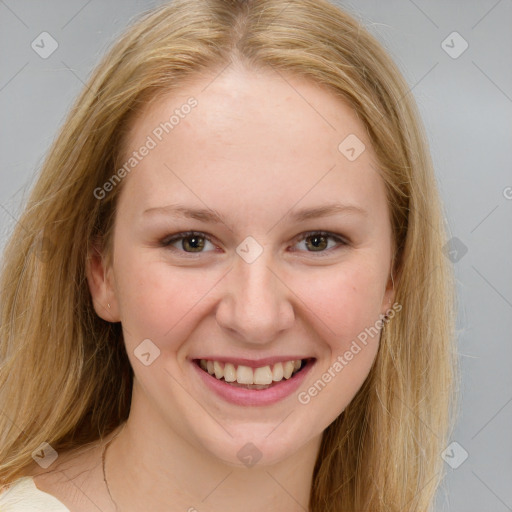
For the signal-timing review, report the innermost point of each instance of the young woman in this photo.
(227, 290)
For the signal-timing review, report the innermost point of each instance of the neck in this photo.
(150, 467)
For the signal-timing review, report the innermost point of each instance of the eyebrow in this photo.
(325, 211)
(176, 210)
(212, 216)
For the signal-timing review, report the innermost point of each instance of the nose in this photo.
(256, 304)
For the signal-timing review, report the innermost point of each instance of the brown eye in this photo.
(188, 242)
(320, 242)
(316, 242)
(193, 243)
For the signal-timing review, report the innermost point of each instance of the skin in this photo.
(258, 147)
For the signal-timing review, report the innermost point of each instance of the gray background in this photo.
(466, 104)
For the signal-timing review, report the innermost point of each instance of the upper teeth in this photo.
(247, 375)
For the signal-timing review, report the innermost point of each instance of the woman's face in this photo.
(290, 260)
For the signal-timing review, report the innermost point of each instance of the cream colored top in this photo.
(23, 496)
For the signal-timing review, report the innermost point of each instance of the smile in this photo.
(253, 383)
(252, 378)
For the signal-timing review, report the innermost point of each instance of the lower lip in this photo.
(242, 396)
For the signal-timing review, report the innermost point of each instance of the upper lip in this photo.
(253, 363)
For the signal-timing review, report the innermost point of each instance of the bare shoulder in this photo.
(75, 478)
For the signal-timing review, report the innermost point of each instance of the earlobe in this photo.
(99, 279)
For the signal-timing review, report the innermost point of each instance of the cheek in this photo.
(157, 301)
(344, 306)
(346, 299)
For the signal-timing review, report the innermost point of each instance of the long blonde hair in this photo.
(65, 378)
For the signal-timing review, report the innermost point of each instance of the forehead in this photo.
(256, 136)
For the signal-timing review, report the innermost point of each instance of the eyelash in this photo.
(166, 242)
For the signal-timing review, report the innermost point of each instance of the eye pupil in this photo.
(193, 243)
(317, 242)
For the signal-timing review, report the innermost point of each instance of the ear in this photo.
(101, 284)
(389, 294)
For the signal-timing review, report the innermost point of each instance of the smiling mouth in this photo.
(241, 376)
